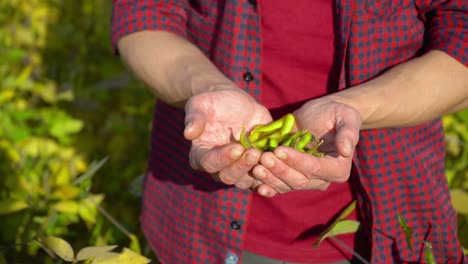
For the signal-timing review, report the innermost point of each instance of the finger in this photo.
(237, 172)
(347, 134)
(329, 168)
(296, 180)
(264, 175)
(195, 123)
(214, 160)
(266, 190)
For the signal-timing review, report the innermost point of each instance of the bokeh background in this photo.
(74, 133)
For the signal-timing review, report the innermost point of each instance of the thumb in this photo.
(347, 135)
(194, 125)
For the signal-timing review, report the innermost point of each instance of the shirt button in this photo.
(235, 225)
(248, 77)
(253, 2)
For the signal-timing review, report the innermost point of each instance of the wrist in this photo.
(359, 100)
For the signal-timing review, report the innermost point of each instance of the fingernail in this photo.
(251, 159)
(261, 174)
(264, 193)
(236, 153)
(347, 147)
(269, 163)
(281, 155)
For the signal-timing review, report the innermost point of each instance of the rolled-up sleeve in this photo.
(129, 16)
(447, 29)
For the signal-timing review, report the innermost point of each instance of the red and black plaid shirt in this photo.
(189, 218)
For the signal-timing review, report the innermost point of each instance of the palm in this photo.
(226, 112)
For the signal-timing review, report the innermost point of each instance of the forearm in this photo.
(413, 92)
(171, 66)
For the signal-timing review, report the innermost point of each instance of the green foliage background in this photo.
(74, 133)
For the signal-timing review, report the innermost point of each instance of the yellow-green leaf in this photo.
(407, 230)
(106, 258)
(345, 213)
(11, 206)
(340, 228)
(460, 200)
(87, 211)
(59, 246)
(126, 257)
(135, 244)
(67, 206)
(428, 254)
(93, 252)
(66, 192)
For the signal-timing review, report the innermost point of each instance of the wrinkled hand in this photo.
(286, 169)
(214, 121)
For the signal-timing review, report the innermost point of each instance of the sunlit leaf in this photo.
(87, 211)
(12, 206)
(6, 95)
(429, 254)
(106, 258)
(59, 246)
(92, 252)
(66, 127)
(340, 228)
(130, 257)
(345, 213)
(35, 146)
(66, 192)
(407, 230)
(135, 244)
(126, 257)
(67, 206)
(460, 200)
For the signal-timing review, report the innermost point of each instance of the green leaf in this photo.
(66, 127)
(67, 206)
(429, 255)
(16, 54)
(126, 257)
(93, 252)
(460, 200)
(130, 257)
(12, 206)
(340, 228)
(345, 213)
(134, 244)
(407, 230)
(60, 247)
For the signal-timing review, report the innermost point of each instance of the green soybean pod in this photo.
(254, 134)
(302, 141)
(277, 124)
(288, 123)
(272, 143)
(244, 140)
(260, 144)
(292, 138)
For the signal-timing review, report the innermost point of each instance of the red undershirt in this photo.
(298, 51)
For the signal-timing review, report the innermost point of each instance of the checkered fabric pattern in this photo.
(188, 218)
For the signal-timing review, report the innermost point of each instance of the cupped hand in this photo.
(214, 121)
(287, 169)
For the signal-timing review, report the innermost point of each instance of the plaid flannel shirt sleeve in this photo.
(129, 16)
(447, 28)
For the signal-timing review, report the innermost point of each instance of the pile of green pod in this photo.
(267, 137)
